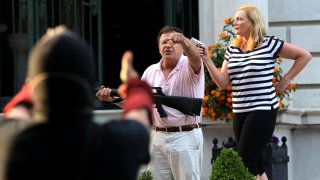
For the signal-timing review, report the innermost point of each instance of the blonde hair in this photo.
(258, 28)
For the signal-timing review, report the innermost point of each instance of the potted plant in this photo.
(229, 166)
(146, 175)
(276, 158)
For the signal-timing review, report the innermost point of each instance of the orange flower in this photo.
(212, 113)
(223, 35)
(292, 86)
(210, 54)
(226, 21)
(205, 109)
(228, 88)
(295, 86)
(229, 116)
(204, 113)
(280, 104)
(274, 79)
(218, 94)
(213, 92)
(276, 69)
(210, 47)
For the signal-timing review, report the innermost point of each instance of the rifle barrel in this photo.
(186, 105)
(114, 92)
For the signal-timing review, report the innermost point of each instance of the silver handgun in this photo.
(196, 41)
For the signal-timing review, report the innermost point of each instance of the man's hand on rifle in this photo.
(104, 94)
(139, 101)
(127, 72)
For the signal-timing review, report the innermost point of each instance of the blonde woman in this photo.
(249, 66)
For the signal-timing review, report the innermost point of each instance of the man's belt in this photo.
(179, 128)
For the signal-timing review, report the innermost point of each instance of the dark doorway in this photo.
(129, 25)
(110, 28)
(6, 54)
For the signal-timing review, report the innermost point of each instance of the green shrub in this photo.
(229, 166)
(146, 175)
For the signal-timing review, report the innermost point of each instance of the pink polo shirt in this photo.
(182, 81)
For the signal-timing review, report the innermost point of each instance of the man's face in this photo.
(168, 49)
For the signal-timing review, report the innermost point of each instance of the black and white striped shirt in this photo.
(251, 76)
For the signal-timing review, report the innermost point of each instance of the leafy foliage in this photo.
(146, 175)
(276, 79)
(229, 166)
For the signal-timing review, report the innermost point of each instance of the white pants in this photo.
(176, 155)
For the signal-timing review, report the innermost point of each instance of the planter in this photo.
(276, 160)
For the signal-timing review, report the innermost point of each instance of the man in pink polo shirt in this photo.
(176, 140)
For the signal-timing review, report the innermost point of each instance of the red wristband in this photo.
(22, 97)
(139, 95)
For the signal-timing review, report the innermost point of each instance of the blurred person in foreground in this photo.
(9, 128)
(176, 140)
(16, 117)
(65, 142)
(249, 67)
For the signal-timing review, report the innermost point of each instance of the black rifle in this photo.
(186, 105)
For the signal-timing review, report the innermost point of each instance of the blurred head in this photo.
(167, 48)
(61, 74)
(249, 24)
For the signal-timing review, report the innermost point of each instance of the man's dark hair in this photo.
(167, 29)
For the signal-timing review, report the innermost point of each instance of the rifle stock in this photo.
(186, 105)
